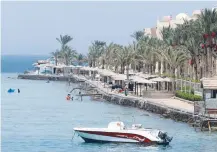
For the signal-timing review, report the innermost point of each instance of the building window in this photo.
(214, 92)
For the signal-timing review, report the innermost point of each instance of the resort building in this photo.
(167, 21)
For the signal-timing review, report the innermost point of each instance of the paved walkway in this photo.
(174, 103)
(169, 102)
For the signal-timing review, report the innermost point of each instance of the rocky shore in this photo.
(164, 111)
(43, 77)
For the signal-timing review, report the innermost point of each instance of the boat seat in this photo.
(118, 125)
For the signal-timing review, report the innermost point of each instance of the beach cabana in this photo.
(131, 72)
(146, 76)
(160, 80)
(105, 72)
(106, 75)
(119, 79)
(139, 81)
(59, 69)
(85, 71)
(68, 69)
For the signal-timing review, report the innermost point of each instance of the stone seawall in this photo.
(164, 111)
(157, 109)
(43, 77)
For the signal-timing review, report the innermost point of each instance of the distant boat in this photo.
(11, 90)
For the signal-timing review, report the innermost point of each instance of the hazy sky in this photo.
(32, 27)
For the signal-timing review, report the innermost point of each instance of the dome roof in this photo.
(196, 12)
(182, 16)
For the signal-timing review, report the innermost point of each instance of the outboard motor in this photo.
(164, 137)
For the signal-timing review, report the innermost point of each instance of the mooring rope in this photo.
(73, 136)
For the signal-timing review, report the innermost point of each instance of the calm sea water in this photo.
(39, 119)
(19, 63)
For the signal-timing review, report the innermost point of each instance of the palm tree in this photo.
(56, 55)
(63, 40)
(138, 35)
(178, 46)
(119, 59)
(190, 36)
(129, 57)
(124, 56)
(208, 22)
(95, 51)
(175, 57)
(107, 56)
(168, 35)
(115, 57)
(81, 59)
(68, 54)
(146, 53)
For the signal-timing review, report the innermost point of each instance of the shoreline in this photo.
(145, 104)
(163, 110)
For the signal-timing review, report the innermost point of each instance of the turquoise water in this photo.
(39, 119)
(19, 63)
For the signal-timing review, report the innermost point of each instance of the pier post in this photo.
(209, 126)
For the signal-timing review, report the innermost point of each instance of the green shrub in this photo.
(188, 96)
(186, 89)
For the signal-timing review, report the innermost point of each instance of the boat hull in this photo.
(115, 137)
(90, 137)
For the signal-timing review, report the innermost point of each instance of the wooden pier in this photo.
(209, 125)
(90, 94)
(205, 118)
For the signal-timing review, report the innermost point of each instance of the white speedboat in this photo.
(117, 132)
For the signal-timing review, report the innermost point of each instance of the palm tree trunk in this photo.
(156, 68)
(196, 68)
(167, 71)
(143, 68)
(174, 79)
(192, 72)
(127, 72)
(214, 65)
(203, 65)
(121, 68)
(195, 72)
(208, 61)
(66, 61)
(150, 69)
(209, 58)
(103, 63)
(116, 68)
(94, 63)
